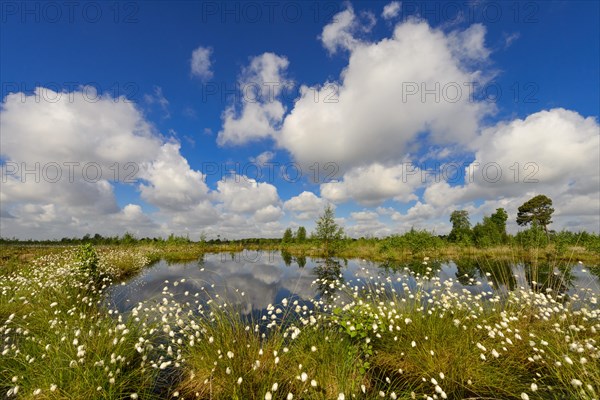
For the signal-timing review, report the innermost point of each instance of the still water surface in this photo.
(252, 280)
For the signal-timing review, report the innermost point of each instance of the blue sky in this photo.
(504, 95)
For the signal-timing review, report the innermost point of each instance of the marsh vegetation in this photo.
(412, 316)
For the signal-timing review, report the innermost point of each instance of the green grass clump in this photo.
(57, 339)
(228, 357)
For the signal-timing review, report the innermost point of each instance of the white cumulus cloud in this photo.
(306, 206)
(374, 184)
(383, 111)
(391, 10)
(262, 111)
(201, 63)
(172, 184)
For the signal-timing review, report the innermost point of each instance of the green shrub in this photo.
(87, 258)
(534, 237)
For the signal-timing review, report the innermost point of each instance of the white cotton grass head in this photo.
(534, 387)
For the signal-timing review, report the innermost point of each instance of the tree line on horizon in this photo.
(535, 214)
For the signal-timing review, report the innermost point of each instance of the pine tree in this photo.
(287, 236)
(301, 234)
(536, 211)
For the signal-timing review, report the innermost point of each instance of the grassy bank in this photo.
(57, 339)
(369, 341)
(410, 245)
(376, 250)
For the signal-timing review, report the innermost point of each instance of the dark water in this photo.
(252, 280)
